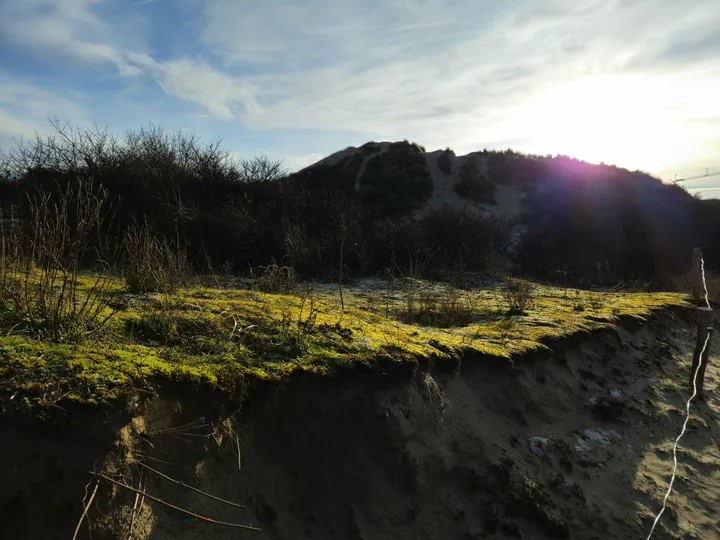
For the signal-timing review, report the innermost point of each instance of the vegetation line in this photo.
(183, 484)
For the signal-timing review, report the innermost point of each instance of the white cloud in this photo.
(12, 127)
(26, 109)
(460, 76)
(197, 82)
(72, 28)
(300, 161)
(291, 161)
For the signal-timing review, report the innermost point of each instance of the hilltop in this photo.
(597, 223)
(430, 180)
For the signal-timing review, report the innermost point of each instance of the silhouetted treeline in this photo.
(603, 223)
(585, 223)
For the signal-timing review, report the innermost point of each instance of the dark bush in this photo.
(444, 163)
(473, 184)
(596, 223)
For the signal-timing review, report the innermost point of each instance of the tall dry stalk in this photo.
(41, 293)
(153, 263)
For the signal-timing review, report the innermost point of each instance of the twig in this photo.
(183, 484)
(180, 429)
(146, 456)
(187, 512)
(237, 442)
(217, 441)
(85, 511)
(135, 506)
(134, 515)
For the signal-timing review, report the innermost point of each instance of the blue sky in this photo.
(631, 82)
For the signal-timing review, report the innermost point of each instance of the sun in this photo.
(620, 120)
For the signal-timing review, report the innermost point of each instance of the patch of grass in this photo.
(172, 322)
(517, 296)
(441, 308)
(275, 278)
(580, 300)
(224, 338)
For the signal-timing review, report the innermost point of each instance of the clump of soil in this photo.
(497, 450)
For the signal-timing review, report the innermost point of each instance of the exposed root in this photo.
(169, 505)
(85, 511)
(183, 484)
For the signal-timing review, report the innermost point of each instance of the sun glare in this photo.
(621, 120)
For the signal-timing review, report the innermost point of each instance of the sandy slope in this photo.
(443, 194)
(437, 455)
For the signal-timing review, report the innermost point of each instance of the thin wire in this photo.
(687, 408)
(675, 447)
(702, 273)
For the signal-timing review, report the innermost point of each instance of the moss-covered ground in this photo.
(222, 338)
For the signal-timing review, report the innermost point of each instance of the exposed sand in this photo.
(508, 198)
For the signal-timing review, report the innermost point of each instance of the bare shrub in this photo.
(446, 308)
(296, 331)
(517, 295)
(152, 263)
(42, 292)
(418, 261)
(275, 279)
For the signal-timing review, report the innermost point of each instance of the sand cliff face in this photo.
(573, 443)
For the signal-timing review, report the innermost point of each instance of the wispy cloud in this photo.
(26, 109)
(87, 30)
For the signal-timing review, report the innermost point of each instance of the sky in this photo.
(627, 82)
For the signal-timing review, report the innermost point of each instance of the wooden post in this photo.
(698, 290)
(705, 317)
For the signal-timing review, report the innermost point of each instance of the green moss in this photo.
(224, 339)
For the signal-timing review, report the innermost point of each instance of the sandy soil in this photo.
(508, 198)
(570, 444)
